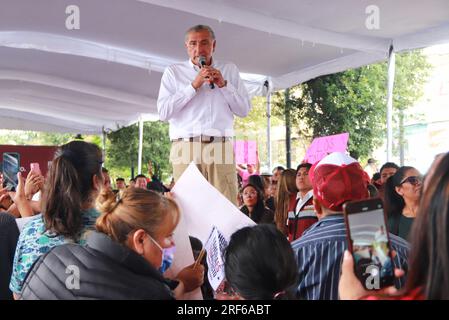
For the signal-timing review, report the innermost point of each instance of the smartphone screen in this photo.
(11, 166)
(35, 167)
(369, 243)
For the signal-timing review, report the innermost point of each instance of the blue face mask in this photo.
(167, 256)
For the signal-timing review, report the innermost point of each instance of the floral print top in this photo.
(34, 242)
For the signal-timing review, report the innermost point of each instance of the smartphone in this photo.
(11, 166)
(369, 243)
(35, 168)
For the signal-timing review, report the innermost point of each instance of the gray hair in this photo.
(198, 28)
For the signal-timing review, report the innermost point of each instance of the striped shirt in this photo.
(319, 253)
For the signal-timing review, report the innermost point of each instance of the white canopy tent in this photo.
(106, 74)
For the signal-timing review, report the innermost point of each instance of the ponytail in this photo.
(69, 187)
(109, 223)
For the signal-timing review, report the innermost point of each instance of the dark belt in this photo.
(203, 139)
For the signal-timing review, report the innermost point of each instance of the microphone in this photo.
(202, 62)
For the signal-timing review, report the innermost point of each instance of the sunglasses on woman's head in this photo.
(413, 180)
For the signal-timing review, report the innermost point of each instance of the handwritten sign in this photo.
(215, 246)
(245, 152)
(323, 146)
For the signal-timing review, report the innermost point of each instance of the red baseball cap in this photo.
(338, 178)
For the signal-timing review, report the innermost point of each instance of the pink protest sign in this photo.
(245, 152)
(322, 146)
(252, 152)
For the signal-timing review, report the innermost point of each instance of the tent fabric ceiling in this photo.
(106, 74)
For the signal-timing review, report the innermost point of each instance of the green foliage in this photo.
(16, 137)
(254, 126)
(123, 145)
(412, 71)
(354, 101)
(255, 123)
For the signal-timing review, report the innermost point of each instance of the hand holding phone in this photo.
(369, 243)
(350, 288)
(35, 168)
(33, 183)
(11, 166)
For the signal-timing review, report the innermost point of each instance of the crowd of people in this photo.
(125, 234)
(415, 209)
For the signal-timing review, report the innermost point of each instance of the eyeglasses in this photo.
(413, 180)
(167, 241)
(250, 193)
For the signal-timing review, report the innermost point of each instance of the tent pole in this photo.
(391, 71)
(268, 125)
(287, 128)
(139, 159)
(104, 143)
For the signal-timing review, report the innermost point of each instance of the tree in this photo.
(354, 101)
(18, 137)
(408, 88)
(123, 145)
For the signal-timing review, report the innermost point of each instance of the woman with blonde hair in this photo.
(285, 199)
(124, 259)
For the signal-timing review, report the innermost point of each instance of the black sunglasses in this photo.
(413, 180)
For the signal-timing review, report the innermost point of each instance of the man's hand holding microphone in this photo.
(208, 74)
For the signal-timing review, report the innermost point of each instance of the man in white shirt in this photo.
(199, 99)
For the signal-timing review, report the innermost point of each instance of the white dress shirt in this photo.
(205, 111)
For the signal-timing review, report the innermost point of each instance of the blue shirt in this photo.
(34, 242)
(319, 253)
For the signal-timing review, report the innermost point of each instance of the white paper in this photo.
(183, 257)
(202, 207)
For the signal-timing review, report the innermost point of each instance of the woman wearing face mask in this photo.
(125, 259)
(402, 194)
